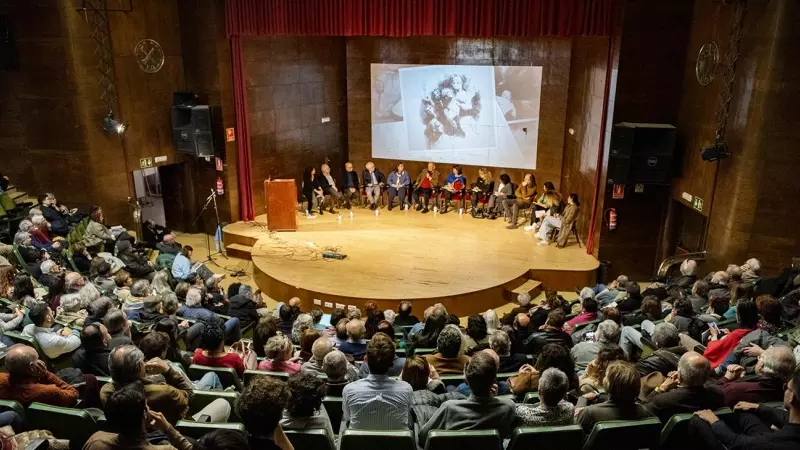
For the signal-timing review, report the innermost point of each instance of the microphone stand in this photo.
(212, 199)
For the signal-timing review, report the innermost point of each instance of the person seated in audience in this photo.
(32, 256)
(774, 368)
(650, 311)
(523, 199)
(69, 312)
(212, 353)
(53, 343)
(394, 371)
(183, 266)
(374, 316)
(373, 180)
(685, 390)
(476, 337)
(750, 270)
(428, 335)
(524, 301)
(355, 345)
(715, 312)
(718, 285)
(482, 189)
(503, 190)
(501, 344)
(168, 249)
(398, 183)
(321, 347)
(722, 343)
(341, 332)
(632, 300)
(337, 369)
(135, 264)
(305, 410)
(98, 236)
(404, 317)
(265, 328)
(57, 215)
(10, 322)
(119, 328)
(301, 323)
(764, 336)
(286, 320)
(699, 295)
(621, 383)
(307, 340)
(681, 315)
(453, 184)
(669, 351)
(160, 344)
(419, 326)
(607, 294)
(377, 392)
(351, 188)
(128, 413)
(550, 333)
(480, 411)
(592, 378)
(193, 310)
(552, 301)
(52, 275)
(97, 310)
(81, 257)
(688, 275)
(426, 183)
(104, 279)
(316, 316)
(763, 426)
(214, 298)
(552, 409)
(563, 221)
(124, 282)
(329, 187)
(27, 380)
(588, 310)
(608, 332)
(492, 321)
(260, 408)
(170, 397)
(519, 332)
(448, 359)
(429, 391)
(279, 357)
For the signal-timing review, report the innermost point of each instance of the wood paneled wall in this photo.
(553, 54)
(292, 84)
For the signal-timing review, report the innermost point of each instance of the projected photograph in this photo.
(477, 115)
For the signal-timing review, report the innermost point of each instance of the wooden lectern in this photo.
(280, 198)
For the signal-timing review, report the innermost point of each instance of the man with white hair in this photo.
(607, 294)
(586, 352)
(773, 369)
(524, 301)
(336, 367)
(750, 270)
(718, 286)
(69, 312)
(193, 309)
(328, 184)
(684, 391)
(688, 275)
(389, 315)
(373, 180)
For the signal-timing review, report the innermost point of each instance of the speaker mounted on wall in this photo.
(641, 153)
(191, 125)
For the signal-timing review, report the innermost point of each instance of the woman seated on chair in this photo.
(549, 204)
(524, 199)
(503, 191)
(563, 222)
(454, 184)
(481, 189)
(312, 192)
(398, 185)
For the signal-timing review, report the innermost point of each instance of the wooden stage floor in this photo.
(467, 264)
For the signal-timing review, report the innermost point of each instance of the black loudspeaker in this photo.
(191, 128)
(182, 129)
(204, 144)
(641, 153)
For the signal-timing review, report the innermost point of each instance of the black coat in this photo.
(243, 308)
(664, 360)
(135, 264)
(540, 338)
(350, 180)
(322, 182)
(58, 223)
(367, 179)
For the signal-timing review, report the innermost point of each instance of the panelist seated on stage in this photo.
(525, 194)
(454, 184)
(427, 181)
(481, 190)
(373, 180)
(398, 185)
(549, 203)
(351, 188)
(312, 192)
(503, 190)
(563, 222)
(326, 182)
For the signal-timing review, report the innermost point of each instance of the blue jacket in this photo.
(453, 177)
(404, 179)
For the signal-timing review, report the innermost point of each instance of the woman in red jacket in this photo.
(722, 342)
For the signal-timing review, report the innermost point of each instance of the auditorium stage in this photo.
(467, 264)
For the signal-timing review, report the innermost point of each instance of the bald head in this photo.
(693, 369)
(427, 313)
(522, 320)
(294, 302)
(493, 354)
(169, 238)
(20, 359)
(321, 347)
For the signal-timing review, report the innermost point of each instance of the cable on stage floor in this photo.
(293, 252)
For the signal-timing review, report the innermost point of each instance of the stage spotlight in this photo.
(715, 152)
(111, 125)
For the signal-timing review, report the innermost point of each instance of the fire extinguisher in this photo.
(611, 220)
(220, 187)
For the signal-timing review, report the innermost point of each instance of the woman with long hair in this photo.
(481, 190)
(502, 191)
(563, 221)
(430, 333)
(552, 355)
(97, 233)
(592, 379)
(523, 199)
(548, 198)
(311, 191)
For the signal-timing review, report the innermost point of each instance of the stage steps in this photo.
(532, 287)
(240, 251)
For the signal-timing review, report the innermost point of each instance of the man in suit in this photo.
(350, 186)
(373, 181)
(427, 181)
(328, 184)
(685, 391)
(774, 368)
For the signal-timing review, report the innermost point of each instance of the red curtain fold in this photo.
(400, 18)
(244, 160)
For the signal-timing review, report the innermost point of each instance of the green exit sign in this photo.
(698, 204)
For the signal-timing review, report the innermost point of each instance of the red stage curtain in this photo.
(398, 18)
(244, 160)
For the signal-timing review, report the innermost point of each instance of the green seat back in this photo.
(371, 440)
(196, 430)
(333, 406)
(675, 434)
(616, 435)
(531, 398)
(316, 439)
(424, 351)
(11, 405)
(65, 423)
(203, 398)
(7, 202)
(20, 262)
(463, 440)
(585, 324)
(226, 375)
(567, 437)
(249, 374)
